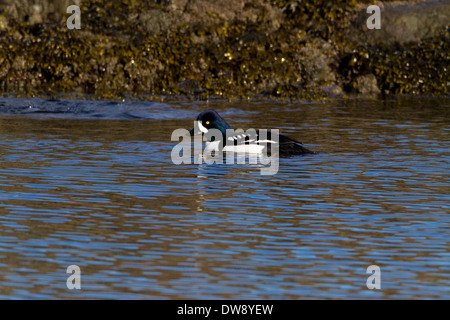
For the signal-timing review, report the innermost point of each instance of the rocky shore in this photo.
(204, 49)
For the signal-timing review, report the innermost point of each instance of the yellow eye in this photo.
(207, 122)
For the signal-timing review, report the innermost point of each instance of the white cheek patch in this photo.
(201, 127)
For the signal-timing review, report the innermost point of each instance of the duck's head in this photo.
(207, 120)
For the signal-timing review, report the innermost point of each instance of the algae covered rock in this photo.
(367, 84)
(401, 22)
(3, 23)
(291, 49)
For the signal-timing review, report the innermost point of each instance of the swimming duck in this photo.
(250, 141)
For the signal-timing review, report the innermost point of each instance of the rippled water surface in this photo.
(92, 184)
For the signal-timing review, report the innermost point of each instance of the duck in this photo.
(251, 141)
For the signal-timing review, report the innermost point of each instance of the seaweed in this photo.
(114, 56)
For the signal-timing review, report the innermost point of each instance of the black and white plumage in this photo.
(251, 141)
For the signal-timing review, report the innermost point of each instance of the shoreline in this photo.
(244, 50)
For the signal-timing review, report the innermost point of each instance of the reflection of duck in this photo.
(251, 141)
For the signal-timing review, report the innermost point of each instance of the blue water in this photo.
(92, 184)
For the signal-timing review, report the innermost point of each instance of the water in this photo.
(92, 184)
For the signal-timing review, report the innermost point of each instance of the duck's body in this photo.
(252, 141)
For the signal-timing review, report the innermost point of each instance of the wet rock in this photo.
(314, 63)
(190, 86)
(366, 84)
(3, 23)
(204, 12)
(36, 11)
(332, 90)
(237, 48)
(401, 22)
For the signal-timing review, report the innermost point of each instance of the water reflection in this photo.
(104, 195)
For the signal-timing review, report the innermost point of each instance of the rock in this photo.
(181, 12)
(367, 84)
(36, 11)
(332, 90)
(401, 22)
(234, 48)
(191, 86)
(314, 62)
(3, 23)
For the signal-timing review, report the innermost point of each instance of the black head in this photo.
(209, 119)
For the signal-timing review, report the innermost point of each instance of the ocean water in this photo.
(92, 184)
